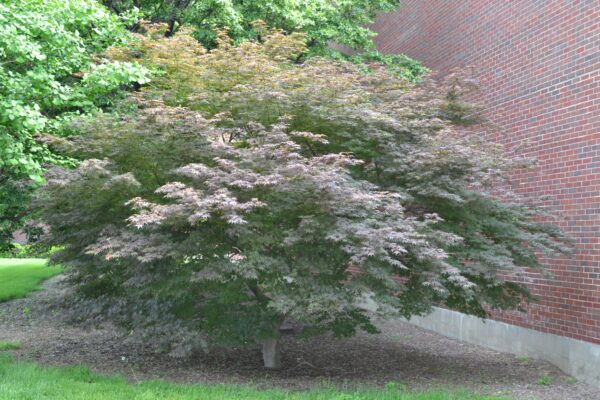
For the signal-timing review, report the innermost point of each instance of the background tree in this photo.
(43, 45)
(344, 22)
(250, 188)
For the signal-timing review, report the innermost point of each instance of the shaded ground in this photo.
(402, 353)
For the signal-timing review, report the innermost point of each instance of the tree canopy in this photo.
(324, 22)
(44, 45)
(249, 188)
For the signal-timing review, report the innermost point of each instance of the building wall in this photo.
(539, 64)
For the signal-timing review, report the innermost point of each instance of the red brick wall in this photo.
(539, 61)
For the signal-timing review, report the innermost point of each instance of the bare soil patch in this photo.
(403, 353)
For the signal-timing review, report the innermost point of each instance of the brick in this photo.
(540, 64)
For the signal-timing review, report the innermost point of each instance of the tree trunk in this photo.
(271, 353)
(171, 31)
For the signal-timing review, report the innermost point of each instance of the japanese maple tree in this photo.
(248, 189)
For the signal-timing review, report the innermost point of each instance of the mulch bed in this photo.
(402, 353)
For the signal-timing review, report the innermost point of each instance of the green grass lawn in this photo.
(20, 276)
(6, 345)
(31, 382)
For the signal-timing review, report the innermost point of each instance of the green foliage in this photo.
(14, 197)
(6, 345)
(17, 251)
(19, 277)
(29, 381)
(523, 358)
(45, 47)
(399, 64)
(250, 188)
(544, 380)
(344, 22)
(29, 250)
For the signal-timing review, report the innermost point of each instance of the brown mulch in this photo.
(402, 353)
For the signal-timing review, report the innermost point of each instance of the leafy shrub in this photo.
(43, 47)
(251, 188)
